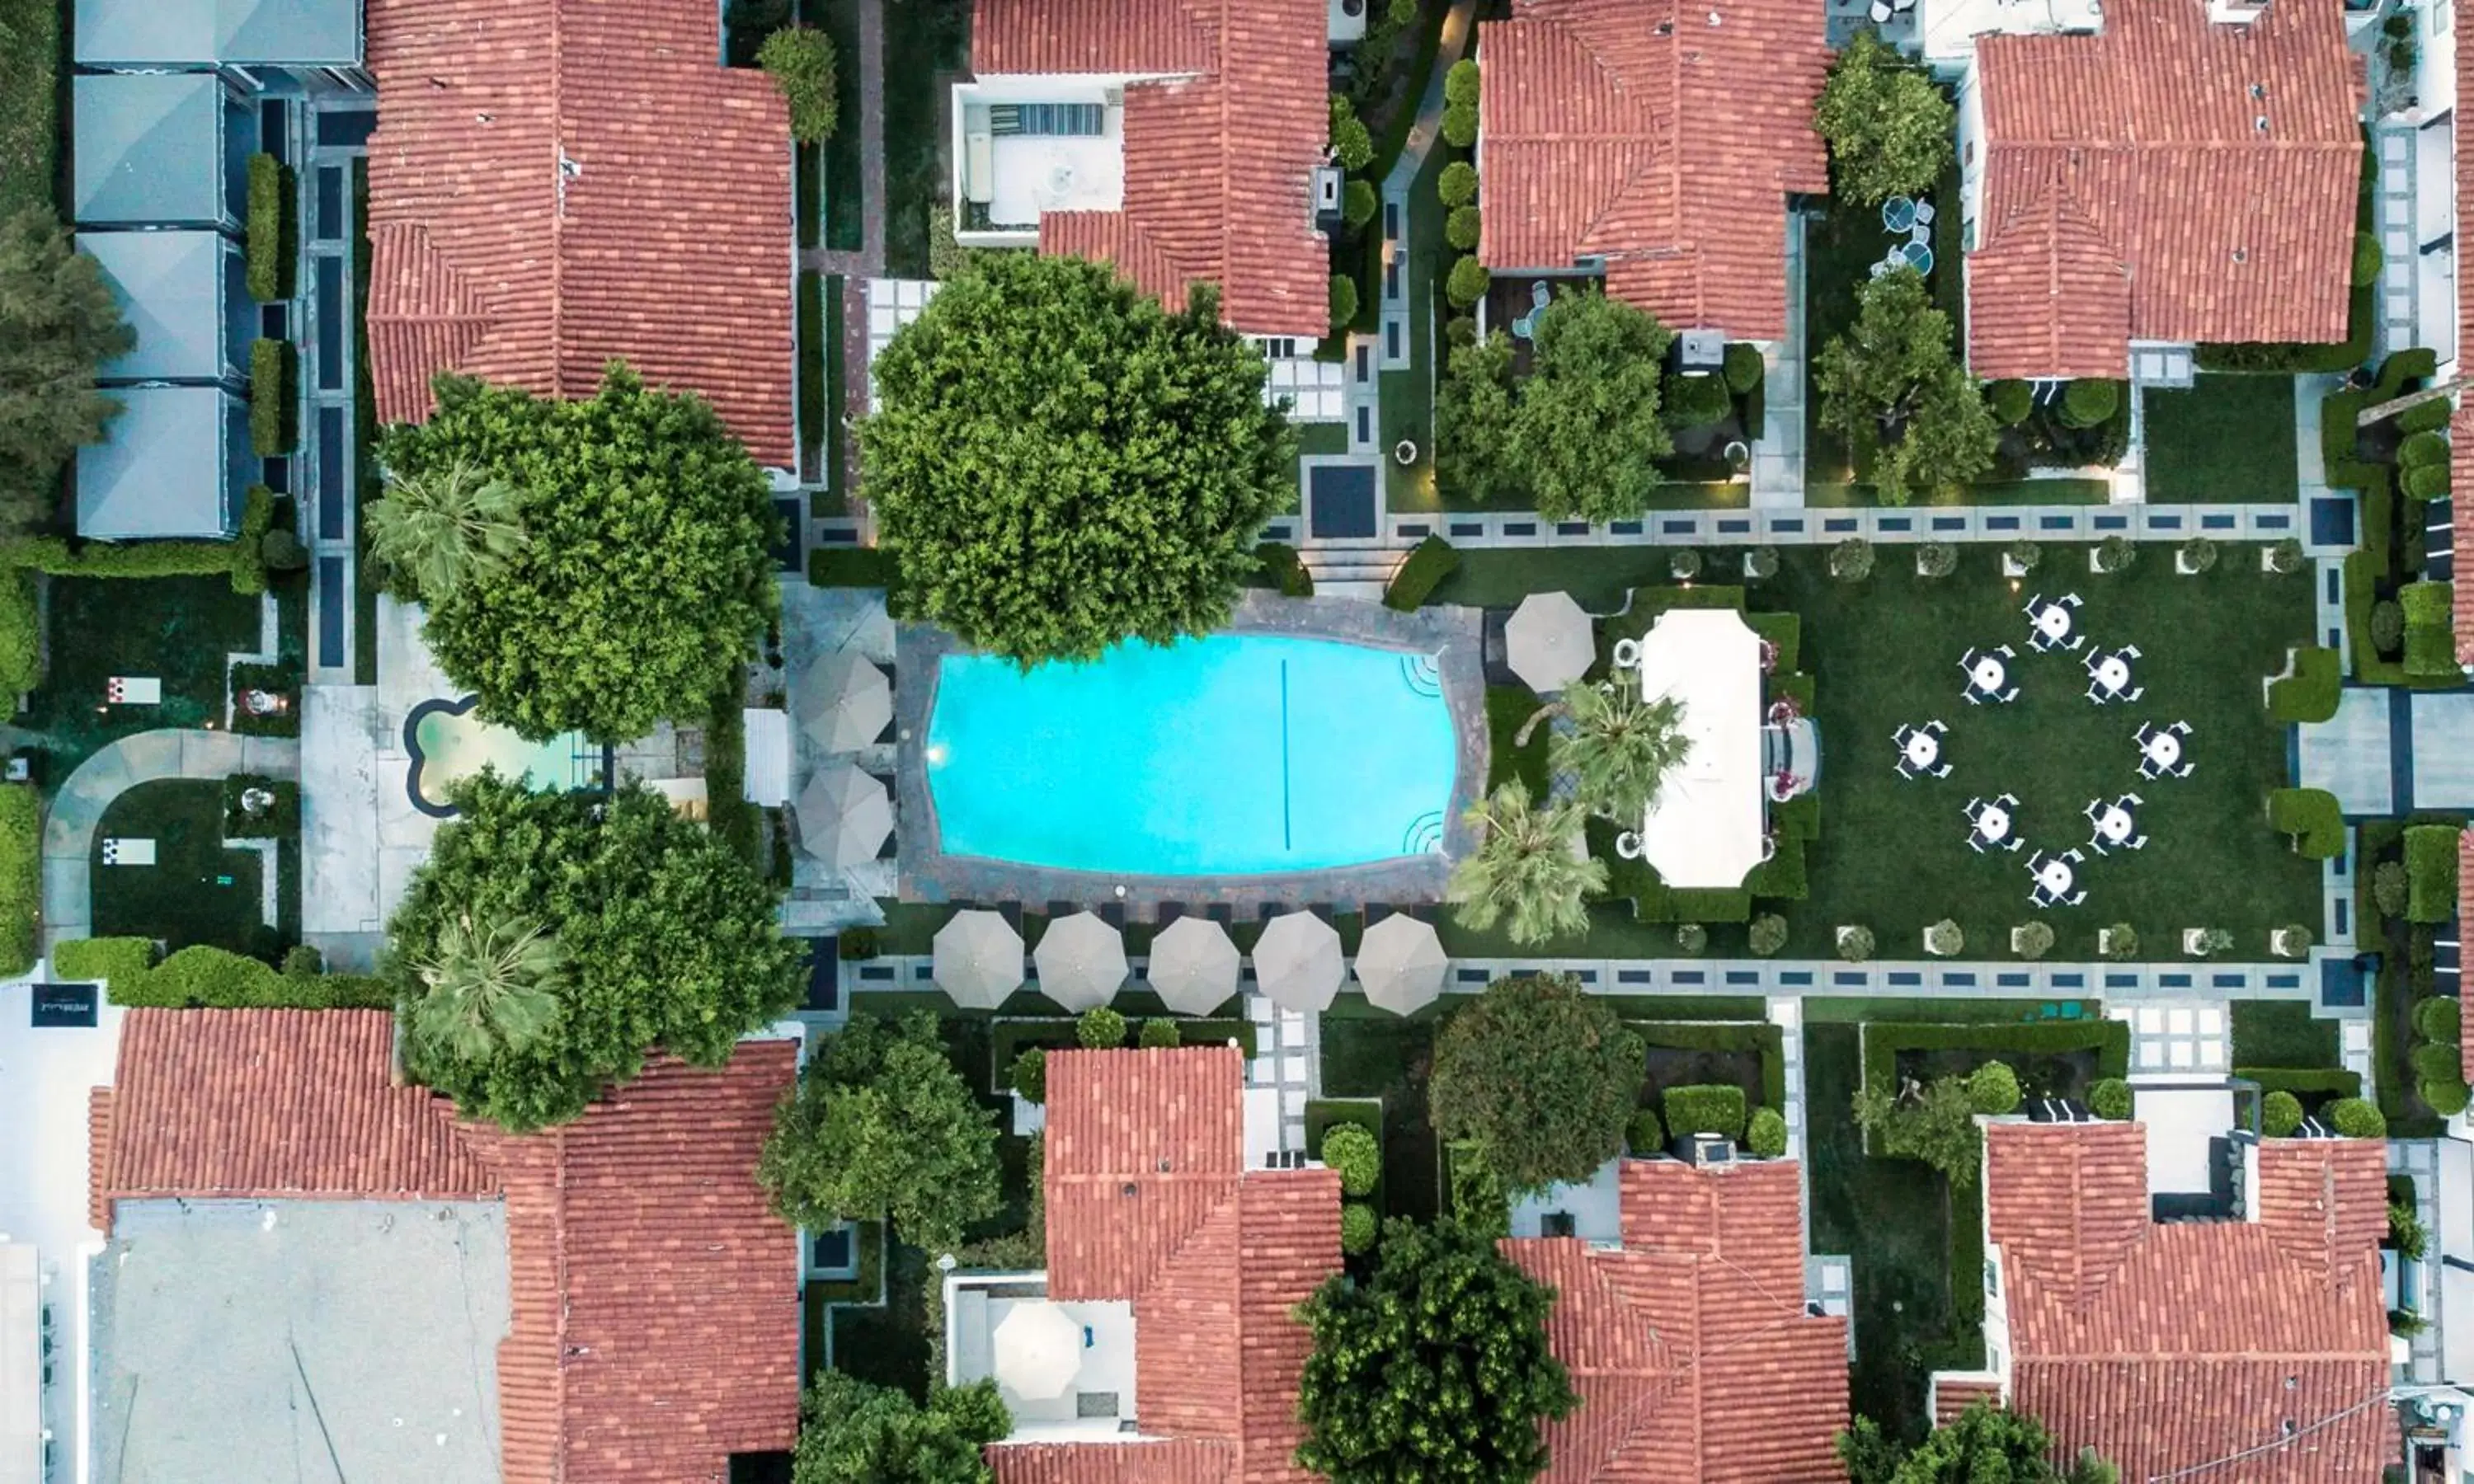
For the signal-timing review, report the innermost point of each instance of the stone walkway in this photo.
(1288, 1063)
(1823, 526)
(171, 752)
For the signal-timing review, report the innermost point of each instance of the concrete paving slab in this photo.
(2443, 751)
(210, 754)
(2348, 753)
(339, 810)
(153, 754)
(68, 899)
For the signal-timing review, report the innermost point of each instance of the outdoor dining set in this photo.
(1988, 676)
(2055, 879)
(1906, 218)
(1919, 750)
(2160, 751)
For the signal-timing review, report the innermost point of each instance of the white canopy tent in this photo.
(1704, 828)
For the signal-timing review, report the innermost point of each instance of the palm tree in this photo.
(1527, 868)
(1618, 748)
(491, 986)
(437, 530)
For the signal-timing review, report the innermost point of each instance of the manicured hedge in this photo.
(1356, 1154)
(2430, 631)
(1282, 569)
(1884, 1040)
(239, 557)
(2431, 873)
(1755, 1038)
(203, 977)
(1765, 1135)
(811, 360)
(273, 373)
(21, 877)
(1434, 559)
(2303, 1081)
(1785, 633)
(2310, 693)
(21, 634)
(852, 566)
(2312, 818)
(2110, 1099)
(1710, 1109)
(270, 204)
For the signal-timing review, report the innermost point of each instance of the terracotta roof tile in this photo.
(665, 240)
(1161, 1461)
(1664, 137)
(2128, 189)
(98, 1160)
(1220, 144)
(1953, 1393)
(2164, 1347)
(1690, 1347)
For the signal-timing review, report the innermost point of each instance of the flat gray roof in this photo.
(149, 147)
(199, 33)
(324, 1341)
(162, 466)
(172, 288)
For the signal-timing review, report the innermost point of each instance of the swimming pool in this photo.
(448, 744)
(1237, 754)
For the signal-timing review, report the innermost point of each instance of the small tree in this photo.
(1761, 563)
(1457, 186)
(1891, 385)
(1523, 871)
(2389, 888)
(433, 531)
(1855, 942)
(1463, 226)
(1358, 1227)
(1993, 1089)
(857, 1432)
(1466, 284)
(2110, 1098)
(2355, 1118)
(1936, 559)
(2032, 940)
(2119, 942)
(1359, 201)
(1944, 939)
(1587, 431)
(1691, 938)
(1850, 560)
(883, 1128)
(1619, 749)
(1350, 143)
(2285, 558)
(2115, 554)
(1684, 564)
(1435, 1366)
(1768, 934)
(1354, 1152)
(1982, 1444)
(2439, 1017)
(1765, 1136)
(801, 61)
(1539, 1076)
(1644, 1136)
(1100, 1028)
(1028, 1075)
(485, 986)
(2280, 1114)
(1938, 1127)
(1888, 127)
(60, 323)
(2197, 554)
(2406, 1231)
(1344, 301)
(1158, 1034)
(1473, 414)
(2023, 555)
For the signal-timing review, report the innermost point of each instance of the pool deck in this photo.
(1453, 634)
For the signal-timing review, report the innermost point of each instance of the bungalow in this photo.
(178, 458)
(1179, 142)
(161, 149)
(293, 1232)
(2248, 1349)
(2187, 174)
(1160, 1341)
(556, 186)
(134, 35)
(1689, 1342)
(1656, 144)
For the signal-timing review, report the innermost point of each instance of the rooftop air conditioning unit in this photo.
(1708, 1149)
(1327, 180)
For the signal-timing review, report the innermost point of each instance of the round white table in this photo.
(2113, 673)
(2163, 749)
(1924, 749)
(2053, 621)
(2055, 878)
(2114, 825)
(1988, 675)
(1993, 823)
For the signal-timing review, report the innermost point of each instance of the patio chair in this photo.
(2016, 844)
(2135, 842)
(1924, 210)
(2074, 857)
(2147, 729)
(1942, 772)
(1967, 662)
(2180, 729)
(1905, 770)
(2095, 693)
(1937, 726)
(2006, 651)
(2132, 799)
(2069, 600)
(2008, 801)
(2095, 842)
(2132, 650)
(1976, 841)
(2186, 770)
(1972, 698)
(1975, 807)
(2078, 896)
(1900, 736)
(2094, 809)
(2035, 605)
(2010, 695)
(2077, 641)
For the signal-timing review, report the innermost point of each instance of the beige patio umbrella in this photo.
(1192, 965)
(1082, 961)
(1038, 1349)
(978, 959)
(1298, 963)
(1548, 641)
(844, 815)
(1401, 964)
(844, 702)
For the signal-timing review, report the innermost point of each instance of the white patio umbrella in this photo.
(1548, 641)
(1298, 962)
(1401, 964)
(844, 702)
(978, 959)
(1082, 961)
(844, 815)
(1038, 1349)
(1192, 965)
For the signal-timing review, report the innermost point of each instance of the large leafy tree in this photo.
(1618, 748)
(1539, 1076)
(1890, 130)
(1892, 386)
(1983, 1444)
(667, 937)
(854, 1432)
(883, 1128)
(1435, 1367)
(435, 531)
(1058, 463)
(647, 575)
(1525, 871)
(1473, 417)
(1581, 435)
(1935, 1123)
(58, 323)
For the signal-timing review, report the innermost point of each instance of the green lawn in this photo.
(925, 42)
(1373, 1053)
(196, 891)
(1408, 395)
(28, 127)
(2283, 1033)
(177, 628)
(2229, 438)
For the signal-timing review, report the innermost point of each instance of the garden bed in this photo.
(1373, 1054)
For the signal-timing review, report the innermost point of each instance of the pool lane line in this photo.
(1284, 756)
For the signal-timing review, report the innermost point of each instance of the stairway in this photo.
(1352, 568)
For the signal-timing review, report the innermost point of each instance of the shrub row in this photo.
(2430, 631)
(1756, 1038)
(852, 566)
(274, 379)
(1884, 1040)
(811, 361)
(1710, 1109)
(242, 557)
(2310, 693)
(269, 207)
(1434, 559)
(2431, 873)
(203, 977)
(1282, 569)
(21, 875)
(2312, 818)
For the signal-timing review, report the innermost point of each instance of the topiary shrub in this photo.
(1461, 82)
(1743, 367)
(1761, 563)
(800, 60)
(2023, 555)
(1696, 400)
(2119, 942)
(2197, 554)
(1028, 1075)
(1359, 201)
(274, 373)
(1691, 938)
(1768, 934)
(1351, 144)
(266, 271)
(2430, 868)
(281, 551)
(1158, 1034)
(2434, 1060)
(1283, 569)
(1344, 301)
(2285, 558)
(1644, 1136)
(2010, 402)
(2424, 417)
(1992, 1089)
(1708, 1108)
(1943, 940)
(1765, 1136)
(1460, 124)
(2429, 482)
(2115, 554)
(1463, 226)
(301, 961)
(2032, 940)
(2368, 259)
(2110, 1098)
(2312, 817)
(1457, 186)
(2280, 1114)
(1854, 944)
(1936, 559)
(1433, 559)
(2090, 403)
(1100, 1028)
(2423, 448)
(1358, 1227)
(1466, 284)
(1684, 564)
(1350, 1149)
(2439, 1018)
(2354, 1118)
(1460, 330)
(2447, 1098)
(1850, 560)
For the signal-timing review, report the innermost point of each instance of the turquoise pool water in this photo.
(1233, 754)
(448, 744)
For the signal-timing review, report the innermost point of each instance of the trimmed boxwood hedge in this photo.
(270, 204)
(1706, 1109)
(1753, 1038)
(2109, 1040)
(205, 977)
(2310, 693)
(852, 566)
(22, 880)
(2303, 1082)
(2431, 873)
(273, 373)
(1434, 559)
(2312, 818)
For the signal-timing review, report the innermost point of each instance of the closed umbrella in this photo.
(1193, 967)
(1082, 961)
(1548, 642)
(978, 959)
(1401, 964)
(1038, 1349)
(844, 815)
(844, 702)
(1298, 962)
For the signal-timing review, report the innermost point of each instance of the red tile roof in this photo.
(1219, 159)
(2465, 840)
(2460, 459)
(1664, 135)
(1690, 1348)
(1953, 1393)
(2128, 189)
(2167, 1347)
(665, 242)
(655, 1319)
(1149, 1201)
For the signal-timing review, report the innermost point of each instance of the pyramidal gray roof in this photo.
(149, 148)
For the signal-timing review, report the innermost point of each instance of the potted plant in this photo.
(2031, 940)
(2292, 940)
(2195, 555)
(1684, 564)
(1936, 559)
(1761, 563)
(1855, 943)
(1768, 934)
(1943, 940)
(2282, 557)
(2113, 554)
(2119, 942)
(2020, 558)
(2201, 941)
(1405, 452)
